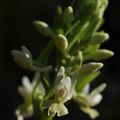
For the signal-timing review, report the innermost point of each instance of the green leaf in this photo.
(79, 35)
(72, 27)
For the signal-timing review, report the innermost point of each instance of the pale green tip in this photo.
(43, 28)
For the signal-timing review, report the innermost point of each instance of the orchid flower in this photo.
(88, 100)
(26, 91)
(63, 93)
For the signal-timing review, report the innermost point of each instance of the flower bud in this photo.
(23, 58)
(102, 54)
(90, 68)
(68, 15)
(44, 28)
(61, 42)
(99, 38)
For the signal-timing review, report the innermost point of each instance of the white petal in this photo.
(97, 90)
(26, 52)
(53, 109)
(67, 83)
(21, 59)
(24, 110)
(96, 100)
(26, 83)
(91, 112)
(20, 117)
(62, 110)
(60, 74)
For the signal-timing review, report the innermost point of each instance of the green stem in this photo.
(46, 117)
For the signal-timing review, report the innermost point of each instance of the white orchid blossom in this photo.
(88, 100)
(63, 93)
(26, 91)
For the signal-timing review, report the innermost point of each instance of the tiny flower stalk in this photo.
(66, 67)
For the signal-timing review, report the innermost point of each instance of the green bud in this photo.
(68, 15)
(44, 28)
(102, 54)
(61, 42)
(99, 38)
(90, 68)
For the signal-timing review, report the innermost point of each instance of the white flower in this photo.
(63, 93)
(88, 100)
(26, 91)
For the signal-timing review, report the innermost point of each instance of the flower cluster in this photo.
(77, 40)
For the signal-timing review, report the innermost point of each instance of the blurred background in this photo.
(16, 29)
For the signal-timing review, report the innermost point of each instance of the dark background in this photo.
(16, 29)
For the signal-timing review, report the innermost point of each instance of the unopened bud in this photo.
(68, 15)
(44, 28)
(61, 42)
(90, 68)
(99, 38)
(102, 54)
(23, 58)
